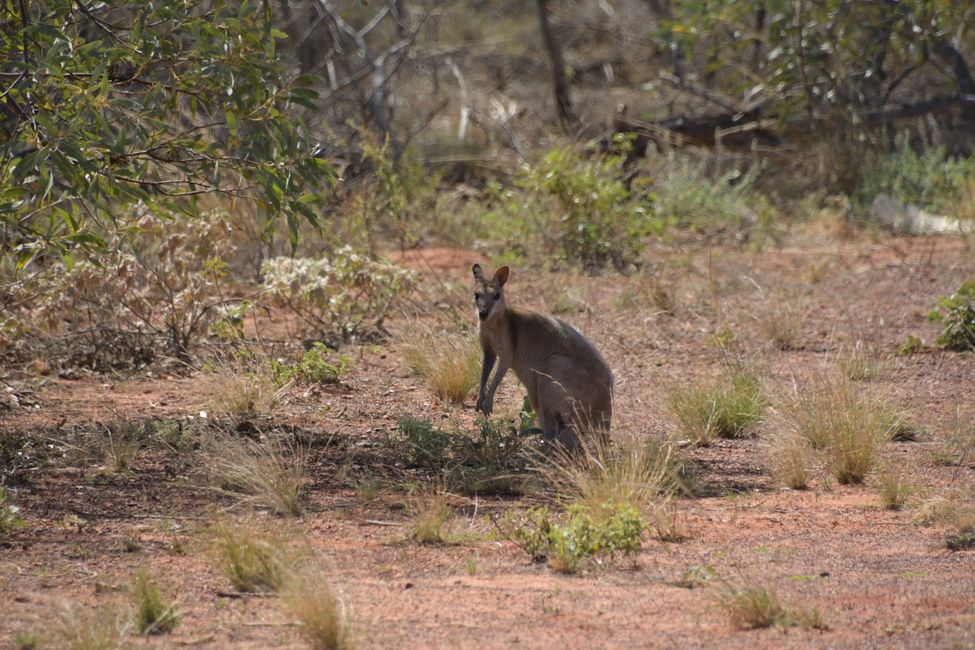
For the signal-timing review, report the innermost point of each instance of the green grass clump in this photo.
(892, 486)
(154, 612)
(630, 471)
(725, 408)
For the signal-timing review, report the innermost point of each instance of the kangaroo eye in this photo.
(497, 295)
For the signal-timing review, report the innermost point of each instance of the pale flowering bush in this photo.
(346, 294)
(156, 278)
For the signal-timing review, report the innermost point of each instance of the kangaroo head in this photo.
(489, 293)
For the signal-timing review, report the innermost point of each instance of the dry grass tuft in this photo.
(253, 562)
(642, 473)
(850, 426)
(955, 510)
(271, 473)
(858, 365)
(724, 408)
(308, 596)
(892, 485)
(751, 607)
(788, 458)
(780, 323)
(430, 513)
(667, 524)
(83, 629)
(239, 393)
(449, 365)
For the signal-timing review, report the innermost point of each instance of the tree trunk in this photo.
(563, 102)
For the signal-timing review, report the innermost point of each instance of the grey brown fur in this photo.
(569, 385)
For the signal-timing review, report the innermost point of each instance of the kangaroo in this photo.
(569, 385)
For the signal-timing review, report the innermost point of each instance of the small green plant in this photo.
(315, 367)
(911, 345)
(29, 641)
(154, 612)
(309, 597)
(251, 561)
(577, 538)
(726, 408)
(957, 313)
(696, 576)
(9, 519)
(271, 473)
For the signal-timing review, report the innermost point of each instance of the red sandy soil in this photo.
(879, 579)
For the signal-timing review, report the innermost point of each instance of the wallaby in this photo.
(569, 385)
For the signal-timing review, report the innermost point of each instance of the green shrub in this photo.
(486, 461)
(426, 446)
(931, 179)
(602, 222)
(688, 195)
(957, 312)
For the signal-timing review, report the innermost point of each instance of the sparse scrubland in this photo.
(238, 355)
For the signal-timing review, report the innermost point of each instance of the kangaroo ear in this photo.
(478, 272)
(501, 275)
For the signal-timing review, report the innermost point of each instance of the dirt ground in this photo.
(880, 579)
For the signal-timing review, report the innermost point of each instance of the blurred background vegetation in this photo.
(156, 157)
